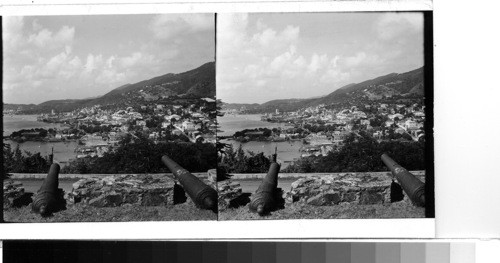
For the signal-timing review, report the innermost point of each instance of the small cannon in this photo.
(264, 199)
(49, 198)
(202, 195)
(411, 185)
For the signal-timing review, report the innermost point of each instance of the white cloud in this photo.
(268, 57)
(254, 58)
(109, 61)
(12, 28)
(63, 64)
(317, 62)
(279, 62)
(55, 63)
(356, 60)
(393, 25)
(75, 62)
(169, 26)
(12, 25)
(36, 25)
(334, 75)
(108, 76)
(233, 37)
(47, 39)
(131, 60)
(35, 57)
(93, 62)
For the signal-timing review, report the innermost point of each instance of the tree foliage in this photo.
(362, 154)
(140, 155)
(14, 161)
(237, 161)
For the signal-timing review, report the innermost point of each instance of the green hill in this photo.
(195, 83)
(384, 87)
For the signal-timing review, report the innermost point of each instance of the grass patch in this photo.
(341, 211)
(127, 213)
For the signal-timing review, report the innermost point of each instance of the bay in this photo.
(12, 123)
(63, 151)
(288, 151)
(229, 124)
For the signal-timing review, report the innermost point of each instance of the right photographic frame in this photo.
(325, 115)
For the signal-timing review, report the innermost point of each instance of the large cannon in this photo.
(264, 199)
(202, 195)
(412, 186)
(49, 198)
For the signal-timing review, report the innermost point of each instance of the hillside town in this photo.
(323, 128)
(99, 129)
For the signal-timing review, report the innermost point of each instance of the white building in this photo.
(188, 126)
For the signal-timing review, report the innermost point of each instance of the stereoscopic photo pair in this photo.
(218, 117)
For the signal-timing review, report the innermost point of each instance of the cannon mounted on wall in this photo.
(412, 186)
(203, 196)
(266, 198)
(49, 198)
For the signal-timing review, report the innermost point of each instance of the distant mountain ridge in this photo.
(195, 83)
(404, 84)
(198, 82)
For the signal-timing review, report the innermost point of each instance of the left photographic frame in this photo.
(109, 118)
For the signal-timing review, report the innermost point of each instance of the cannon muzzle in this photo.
(202, 195)
(49, 198)
(411, 185)
(264, 200)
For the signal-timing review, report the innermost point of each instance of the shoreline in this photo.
(15, 122)
(240, 141)
(7, 138)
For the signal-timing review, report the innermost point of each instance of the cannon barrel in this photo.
(412, 186)
(202, 195)
(48, 198)
(263, 201)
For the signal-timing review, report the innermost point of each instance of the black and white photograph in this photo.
(109, 118)
(295, 121)
(322, 115)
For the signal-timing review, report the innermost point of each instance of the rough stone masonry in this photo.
(332, 189)
(116, 190)
(135, 189)
(14, 194)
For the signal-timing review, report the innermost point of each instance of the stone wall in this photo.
(418, 174)
(111, 190)
(330, 188)
(83, 176)
(336, 188)
(228, 192)
(162, 189)
(14, 194)
(116, 190)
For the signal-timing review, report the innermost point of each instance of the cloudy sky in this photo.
(261, 57)
(70, 57)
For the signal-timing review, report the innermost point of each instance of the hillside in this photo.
(14, 107)
(285, 104)
(389, 86)
(199, 82)
(195, 83)
(62, 105)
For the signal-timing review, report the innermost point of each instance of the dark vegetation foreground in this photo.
(127, 213)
